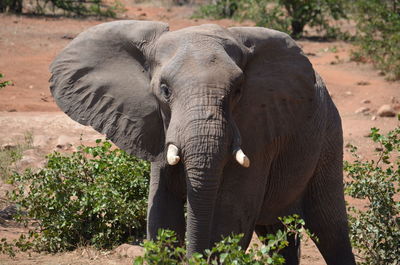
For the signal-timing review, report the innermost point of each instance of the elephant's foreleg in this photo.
(166, 201)
(291, 253)
(324, 207)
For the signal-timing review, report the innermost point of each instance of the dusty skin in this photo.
(29, 44)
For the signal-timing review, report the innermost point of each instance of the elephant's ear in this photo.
(101, 79)
(279, 82)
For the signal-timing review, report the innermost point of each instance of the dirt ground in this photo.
(28, 45)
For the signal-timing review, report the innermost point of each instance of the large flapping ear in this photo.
(279, 83)
(101, 79)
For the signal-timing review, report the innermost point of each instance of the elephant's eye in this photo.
(237, 93)
(165, 91)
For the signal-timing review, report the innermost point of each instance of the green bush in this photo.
(4, 83)
(290, 16)
(375, 229)
(227, 251)
(69, 7)
(378, 26)
(95, 196)
(220, 9)
(11, 154)
(14, 6)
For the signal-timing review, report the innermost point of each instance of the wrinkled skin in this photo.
(209, 92)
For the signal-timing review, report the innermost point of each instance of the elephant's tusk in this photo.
(172, 155)
(242, 159)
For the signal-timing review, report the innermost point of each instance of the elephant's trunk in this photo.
(204, 167)
(205, 145)
(206, 138)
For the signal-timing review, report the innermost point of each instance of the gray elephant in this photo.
(236, 124)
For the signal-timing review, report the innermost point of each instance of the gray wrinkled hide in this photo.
(111, 78)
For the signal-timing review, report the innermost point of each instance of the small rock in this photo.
(363, 110)
(373, 118)
(41, 140)
(310, 54)
(129, 251)
(8, 212)
(386, 111)
(349, 93)
(64, 142)
(8, 146)
(68, 37)
(31, 87)
(363, 83)
(31, 158)
(12, 110)
(27, 161)
(366, 101)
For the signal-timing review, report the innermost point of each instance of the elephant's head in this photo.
(173, 96)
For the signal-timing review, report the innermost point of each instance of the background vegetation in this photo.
(95, 196)
(98, 196)
(290, 16)
(67, 7)
(227, 251)
(375, 229)
(378, 34)
(11, 154)
(4, 83)
(377, 23)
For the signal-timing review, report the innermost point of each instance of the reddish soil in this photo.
(29, 44)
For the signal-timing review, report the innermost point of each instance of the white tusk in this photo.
(242, 158)
(172, 155)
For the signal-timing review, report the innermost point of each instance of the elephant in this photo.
(237, 125)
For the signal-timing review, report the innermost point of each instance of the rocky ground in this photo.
(29, 44)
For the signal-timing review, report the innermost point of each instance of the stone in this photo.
(64, 142)
(363, 110)
(130, 251)
(41, 140)
(31, 158)
(9, 146)
(386, 111)
(366, 101)
(8, 212)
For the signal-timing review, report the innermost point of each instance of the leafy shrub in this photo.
(378, 26)
(284, 15)
(95, 196)
(375, 229)
(11, 154)
(14, 6)
(70, 7)
(227, 251)
(4, 83)
(219, 9)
